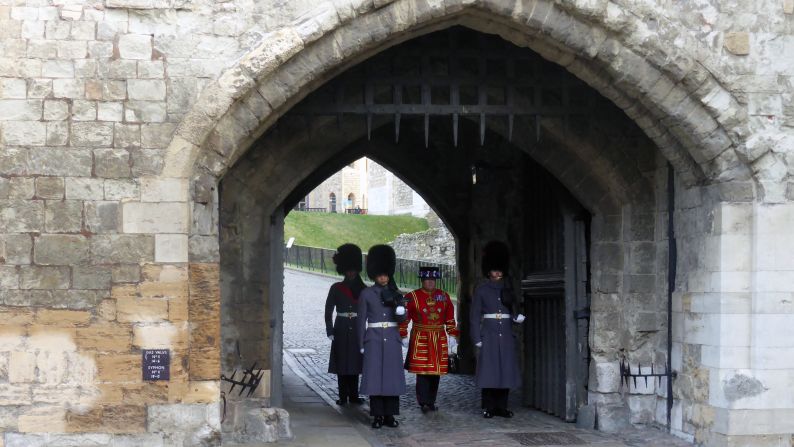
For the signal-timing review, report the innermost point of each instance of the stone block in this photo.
(107, 310)
(102, 217)
(9, 277)
(84, 188)
(110, 419)
(20, 110)
(58, 68)
(105, 338)
(130, 309)
(112, 163)
(171, 248)
(737, 43)
(50, 187)
(126, 273)
(15, 394)
(21, 188)
(22, 367)
(127, 136)
(155, 217)
(68, 88)
(92, 134)
(156, 189)
(91, 277)
(182, 417)
(121, 189)
(20, 216)
(135, 46)
(205, 364)
(24, 133)
(44, 277)
(15, 249)
(52, 249)
(64, 318)
(204, 249)
(161, 336)
(147, 439)
(63, 216)
(157, 135)
(110, 111)
(145, 111)
(151, 69)
(84, 110)
(13, 88)
(146, 162)
(122, 248)
(118, 368)
(146, 89)
(57, 133)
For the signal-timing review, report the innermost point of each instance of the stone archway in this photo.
(676, 101)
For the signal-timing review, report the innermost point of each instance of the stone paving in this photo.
(458, 421)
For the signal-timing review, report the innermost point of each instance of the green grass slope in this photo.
(329, 230)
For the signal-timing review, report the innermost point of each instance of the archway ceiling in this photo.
(677, 102)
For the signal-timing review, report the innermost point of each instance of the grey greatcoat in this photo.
(497, 363)
(345, 355)
(382, 374)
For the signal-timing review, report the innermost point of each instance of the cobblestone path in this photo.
(458, 421)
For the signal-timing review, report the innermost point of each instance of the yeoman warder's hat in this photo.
(429, 272)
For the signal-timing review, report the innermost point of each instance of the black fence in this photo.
(406, 273)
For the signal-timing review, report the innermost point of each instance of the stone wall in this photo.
(119, 117)
(435, 245)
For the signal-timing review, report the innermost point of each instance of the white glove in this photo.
(404, 341)
(452, 344)
(478, 344)
(331, 337)
(399, 310)
(519, 319)
(361, 350)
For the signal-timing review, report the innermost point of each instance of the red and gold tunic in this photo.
(433, 317)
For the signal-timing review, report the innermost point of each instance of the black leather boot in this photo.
(377, 422)
(389, 421)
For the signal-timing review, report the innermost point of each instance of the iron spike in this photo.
(369, 126)
(427, 130)
(482, 129)
(635, 383)
(455, 129)
(396, 128)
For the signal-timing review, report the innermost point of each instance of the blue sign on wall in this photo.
(156, 364)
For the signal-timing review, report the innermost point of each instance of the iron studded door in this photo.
(556, 303)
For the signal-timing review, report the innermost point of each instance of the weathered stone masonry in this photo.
(118, 118)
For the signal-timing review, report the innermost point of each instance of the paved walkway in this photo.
(310, 393)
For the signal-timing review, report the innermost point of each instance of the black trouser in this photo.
(495, 398)
(384, 405)
(427, 388)
(348, 386)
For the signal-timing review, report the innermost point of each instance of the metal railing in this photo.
(356, 211)
(405, 273)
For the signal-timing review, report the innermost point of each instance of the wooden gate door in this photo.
(556, 304)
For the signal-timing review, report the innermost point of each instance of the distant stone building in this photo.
(345, 190)
(366, 185)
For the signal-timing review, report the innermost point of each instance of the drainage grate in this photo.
(551, 438)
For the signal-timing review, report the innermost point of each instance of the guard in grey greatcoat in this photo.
(380, 310)
(492, 316)
(345, 359)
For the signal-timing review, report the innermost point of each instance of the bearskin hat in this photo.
(381, 259)
(495, 256)
(347, 257)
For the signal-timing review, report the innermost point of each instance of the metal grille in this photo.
(552, 438)
(454, 73)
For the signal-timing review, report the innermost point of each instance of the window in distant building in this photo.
(332, 202)
(351, 200)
